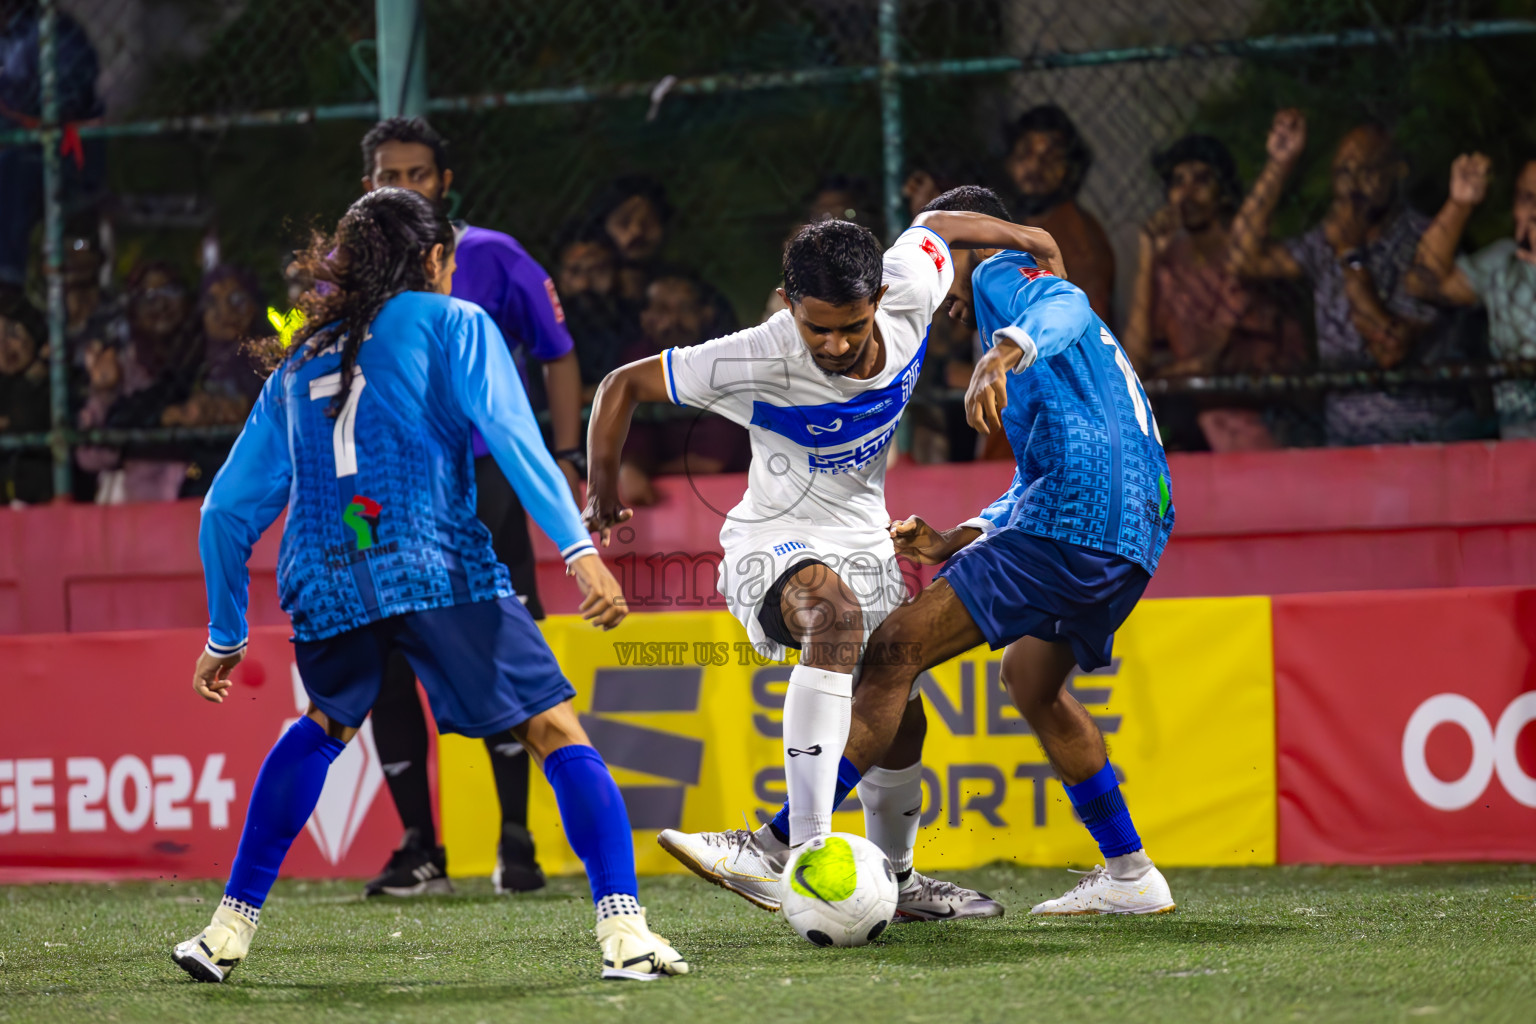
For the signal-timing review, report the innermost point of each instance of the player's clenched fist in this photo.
(604, 511)
(602, 599)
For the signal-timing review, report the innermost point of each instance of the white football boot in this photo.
(1098, 892)
(218, 950)
(748, 864)
(632, 952)
(931, 899)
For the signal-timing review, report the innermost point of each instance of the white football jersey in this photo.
(819, 441)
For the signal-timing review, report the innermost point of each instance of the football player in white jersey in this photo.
(808, 562)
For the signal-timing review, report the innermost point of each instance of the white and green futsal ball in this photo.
(839, 890)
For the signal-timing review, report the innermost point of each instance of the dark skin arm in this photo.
(562, 381)
(612, 409)
(964, 230)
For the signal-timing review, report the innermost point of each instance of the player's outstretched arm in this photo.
(246, 496)
(490, 391)
(613, 407)
(963, 229)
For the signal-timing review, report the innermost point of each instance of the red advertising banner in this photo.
(1406, 725)
(110, 766)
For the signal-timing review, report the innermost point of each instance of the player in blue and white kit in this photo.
(364, 434)
(1053, 567)
(808, 562)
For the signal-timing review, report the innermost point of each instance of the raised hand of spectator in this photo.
(1160, 228)
(1287, 136)
(1469, 178)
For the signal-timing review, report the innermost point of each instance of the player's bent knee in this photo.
(334, 729)
(548, 731)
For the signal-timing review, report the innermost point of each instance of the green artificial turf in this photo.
(1441, 943)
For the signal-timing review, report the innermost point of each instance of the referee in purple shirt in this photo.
(495, 273)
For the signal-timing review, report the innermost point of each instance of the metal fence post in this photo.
(890, 118)
(53, 250)
(402, 48)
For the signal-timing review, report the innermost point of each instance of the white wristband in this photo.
(225, 650)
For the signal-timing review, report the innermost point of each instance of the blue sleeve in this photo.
(489, 390)
(1055, 316)
(1000, 511)
(247, 494)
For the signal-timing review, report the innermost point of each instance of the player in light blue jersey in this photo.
(1053, 567)
(364, 433)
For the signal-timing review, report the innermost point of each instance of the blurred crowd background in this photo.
(1309, 222)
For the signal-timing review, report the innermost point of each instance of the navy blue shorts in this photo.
(485, 666)
(1018, 584)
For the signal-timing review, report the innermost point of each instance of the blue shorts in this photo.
(485, 666)
(1018, 584)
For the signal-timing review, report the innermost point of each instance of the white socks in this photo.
(893, 804)
(818, 707)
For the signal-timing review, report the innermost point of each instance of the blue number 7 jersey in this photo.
(1091, 469)
(381, 497)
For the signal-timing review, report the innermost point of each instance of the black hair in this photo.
(971, 199)
(626, 187)
(1051, 118)
(722, 315)
(583, 231)
(1207, 150)
(838, 181)
(404, 129)
(379, 250)
(836, 261)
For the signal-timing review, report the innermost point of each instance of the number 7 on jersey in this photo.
(343, 436)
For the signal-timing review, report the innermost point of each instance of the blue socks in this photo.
(286, 791)
(847, 780)
(596, 823)
(1099, 804)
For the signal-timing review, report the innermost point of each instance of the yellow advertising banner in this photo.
(688, 718)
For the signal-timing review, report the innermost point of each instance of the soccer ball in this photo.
(839, 890)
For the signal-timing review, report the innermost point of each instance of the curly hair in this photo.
(378, 251)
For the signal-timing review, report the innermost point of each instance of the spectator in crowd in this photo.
(228, 378)
(157, 367)
(635, 212)
(680, 311)
(1500, 277)
(25, 476)
(837, 196)
(21, 167)
(1190, 315)
(601, 322)
(102, 386)
(929, 178)
(1047, 161)
(90, 314)
(1358, 260)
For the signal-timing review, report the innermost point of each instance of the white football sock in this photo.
(818, 707)
(888, 795)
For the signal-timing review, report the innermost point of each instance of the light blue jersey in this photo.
(1091, 469)
(381, 498)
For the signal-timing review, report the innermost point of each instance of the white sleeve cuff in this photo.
(580, 549)
(1021, 338)
(225, 650)
(986, 526)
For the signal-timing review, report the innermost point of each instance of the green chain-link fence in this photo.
(236, 123)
